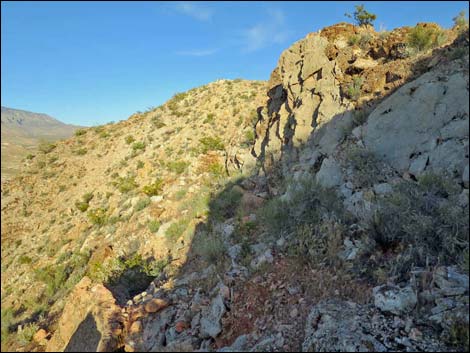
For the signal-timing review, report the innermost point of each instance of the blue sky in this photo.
(89, 63)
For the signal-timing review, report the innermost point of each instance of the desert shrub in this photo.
(460, 20)
(30, 156)
(435, 184)
(423, 38)
(216, 170)
(249, 138)
(209, 119)
(80, 132)
(306, 202)
(125, 184)
(138, 146)
(354, 88)
(225, 204)
(104, 134)
(7, 321)
(353, 40)
(153, 189)
(316, 243)
(129, 139)
(176, 229)
(365, 166)
(157, 123)
(54, 276)
(154, 225)
(422, 220)
(210, 247)
(98, 216)
(24, 260)
(81, 151)
(46, 147)
(458, 53)
(177, 167)
(362, 40)
(180, 194)
(141, 204)
(83, 205)
(359, 117)
(211, 144)
(140, 165)
(26, 334)
(361, 16)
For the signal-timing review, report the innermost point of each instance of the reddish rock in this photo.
(181, 326)
(155, 305)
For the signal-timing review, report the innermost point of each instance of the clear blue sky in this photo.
(89, 63)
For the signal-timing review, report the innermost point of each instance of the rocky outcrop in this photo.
(304, 94)
(424, 125)
(91, 321)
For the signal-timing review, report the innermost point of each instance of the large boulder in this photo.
(91, 321)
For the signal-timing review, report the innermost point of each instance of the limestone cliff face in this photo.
(324, 86)
(304, 94)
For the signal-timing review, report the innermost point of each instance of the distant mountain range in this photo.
(21, 133)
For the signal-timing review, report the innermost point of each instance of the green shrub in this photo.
(26, 334)
(210, 247)
(249, 138)
(209, 119)
(138, 146)
(365, 166)
(140, 165)
(180, 194)
(141, 204)
(80, 132)
(224, 206)
(24, 260)
(154, 225)
(129, 139)
(354, 89)
(177, 228)
(81, 151)
(46, 147)
(423, 38)
(361, 16)
(30, 156)
(98, 216)
(54, 276)
(81, 206)
(125, 184)
(424, 220)
(177, 167)
(211, 144)
(153, 189)
(460, 20)
(157, 123)
(7, 321)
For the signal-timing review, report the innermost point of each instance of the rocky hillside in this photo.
(324, 211)
(23, 131)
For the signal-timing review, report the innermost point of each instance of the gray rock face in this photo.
(336, 326)
(394, 299)
(330, 174)
(423, 125)
(210, 321)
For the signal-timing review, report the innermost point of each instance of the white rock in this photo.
(156, 199)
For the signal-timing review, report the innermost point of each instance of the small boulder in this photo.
(394, 299)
